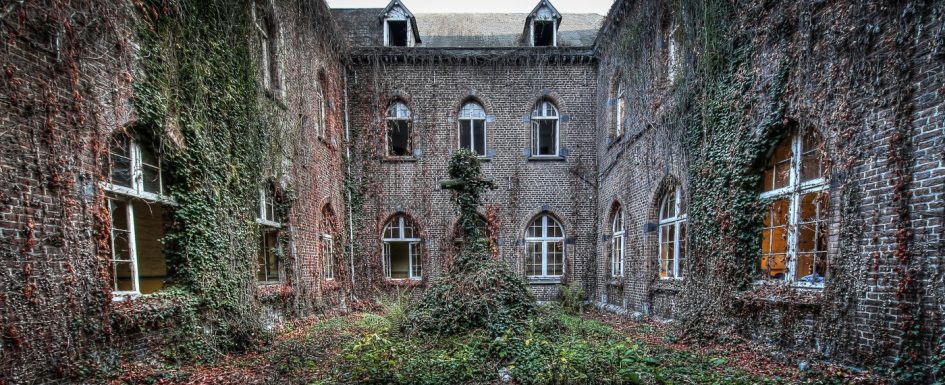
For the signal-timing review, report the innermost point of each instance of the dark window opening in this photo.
(472, 135)
(545, 137)
(268, 262)
(544, 33)
(397, 33)
(398, 137)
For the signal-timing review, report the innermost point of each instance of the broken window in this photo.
(135, 202)
(545, 129)
(544, 248)
(397, 33)
(269, 45)
(268, 263)
(672, 235)
(617, 244)
(472, 128)
(544, 33)
(794, 234)
(401, 249)
(398, 130)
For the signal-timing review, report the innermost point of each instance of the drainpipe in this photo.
(348, 165)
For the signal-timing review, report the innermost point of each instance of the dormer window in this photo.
(541, 26)
(544, 33)
(400, 27)
(396, 33)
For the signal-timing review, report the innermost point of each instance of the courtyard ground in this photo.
(320, 350)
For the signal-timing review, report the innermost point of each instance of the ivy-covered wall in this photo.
(868, 78)
(186, 75)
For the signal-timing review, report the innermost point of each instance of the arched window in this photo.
(472, 128)
(617, 244)
(672, 235)
(398, 129)
(401, 249)
(545, 129)
(794, 238)
(544, 245)
(619, 105)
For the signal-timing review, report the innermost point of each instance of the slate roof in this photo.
(362, 27)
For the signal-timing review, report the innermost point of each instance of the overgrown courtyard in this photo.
(557, 348)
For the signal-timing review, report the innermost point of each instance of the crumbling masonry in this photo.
(176, 176)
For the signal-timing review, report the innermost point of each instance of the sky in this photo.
(500, 6)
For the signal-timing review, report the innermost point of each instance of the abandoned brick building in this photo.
(184, 175)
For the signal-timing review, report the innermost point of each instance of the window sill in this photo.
(404, 282)
(546, 158)
(781, 293)
(267, 223)
(399, 159)
(616, 281)
(544, 280)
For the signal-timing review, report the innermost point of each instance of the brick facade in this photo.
(875, 96)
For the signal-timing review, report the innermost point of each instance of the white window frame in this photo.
(676, 221)
(540, 114)
(409, 39)
(463, 116)
(617, 244)
(137, 176)
(126, 195)
(267, 204)
(398, 116)
(793, 192)
(414, 253)
(545, 240)
(554, 33)
(327, 249)
(119, 295)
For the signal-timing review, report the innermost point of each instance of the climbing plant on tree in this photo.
(477, 291)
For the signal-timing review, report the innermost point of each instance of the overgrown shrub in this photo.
(572, 298)
(477, 291)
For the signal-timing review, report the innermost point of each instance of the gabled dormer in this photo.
(541, 25)
(400, 26)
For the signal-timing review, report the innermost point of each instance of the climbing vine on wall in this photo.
(199, 83)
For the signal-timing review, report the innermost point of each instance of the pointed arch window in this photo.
(617, 244)
(322, 105)
(398, 130)
(672, 235)
(401, 249)
(794, 235)
(544, 247)
(545, 135)
(472, 128)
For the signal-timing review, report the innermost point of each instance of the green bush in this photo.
(572, 298)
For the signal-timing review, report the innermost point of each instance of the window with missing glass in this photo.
(398, 130)
(794, 234)
(545, 135)
(472, 128)
(136, 202)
